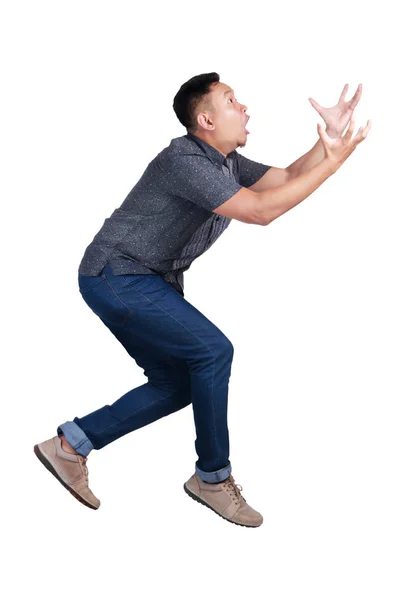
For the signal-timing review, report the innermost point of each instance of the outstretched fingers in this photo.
(347, 136)
(356, 98)
(344, 92)
(363, 132)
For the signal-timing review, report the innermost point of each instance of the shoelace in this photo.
(231, 485)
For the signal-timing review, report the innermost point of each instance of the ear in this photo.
(205, 122)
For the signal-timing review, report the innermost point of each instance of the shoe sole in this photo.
(201, 501)
(52, 470)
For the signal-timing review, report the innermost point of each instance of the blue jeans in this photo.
(185, 357)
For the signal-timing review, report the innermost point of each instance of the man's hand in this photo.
(338, 150)
(337, 117)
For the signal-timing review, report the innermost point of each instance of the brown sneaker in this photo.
(70, 470)
(225, 499)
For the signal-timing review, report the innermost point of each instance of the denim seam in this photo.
(83, 441)
(118, 298)
(79, 444)
(217, 472)
(131, 284)
(86, 289)
(179, 323)
(132, 414)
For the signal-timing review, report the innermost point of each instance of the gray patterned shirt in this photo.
(166, 221)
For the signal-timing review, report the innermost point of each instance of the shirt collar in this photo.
(215, 155)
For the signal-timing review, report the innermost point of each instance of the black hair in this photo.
(190, 95)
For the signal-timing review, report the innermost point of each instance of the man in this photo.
(131, 276)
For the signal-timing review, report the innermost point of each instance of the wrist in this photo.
(334, 135)
(331, 165)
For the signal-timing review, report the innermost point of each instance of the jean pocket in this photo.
(133, 278)
(106, 303)
(146, 284)
(86, 282)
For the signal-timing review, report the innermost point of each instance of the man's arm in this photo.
(308, 160)
(275, 202)
(275, 176)
(263, 207)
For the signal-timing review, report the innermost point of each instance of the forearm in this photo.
(310, 159)
(276, 201)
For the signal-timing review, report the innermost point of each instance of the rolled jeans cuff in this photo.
(76, 437)
(214, 476)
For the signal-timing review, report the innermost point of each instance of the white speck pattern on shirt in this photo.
(167, 219)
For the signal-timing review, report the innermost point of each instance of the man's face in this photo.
(229, 117)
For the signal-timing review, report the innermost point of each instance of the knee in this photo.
(218, 351)
(181, 398)
(225, 348)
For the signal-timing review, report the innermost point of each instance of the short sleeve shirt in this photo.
(166, 220)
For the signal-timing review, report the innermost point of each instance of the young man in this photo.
(131, 276)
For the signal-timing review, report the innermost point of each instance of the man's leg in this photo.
(151, 319)
(167, 391)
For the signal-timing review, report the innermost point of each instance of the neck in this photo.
(223, 148)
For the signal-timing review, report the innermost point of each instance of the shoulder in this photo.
(249, 170)
(181, 150)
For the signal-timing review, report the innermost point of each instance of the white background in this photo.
(309, 302)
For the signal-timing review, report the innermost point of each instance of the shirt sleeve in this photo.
(250, 171)
(197, 179)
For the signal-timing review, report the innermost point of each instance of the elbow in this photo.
(267, 220)
(261, 214)
(260, 219)
(263, 221)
